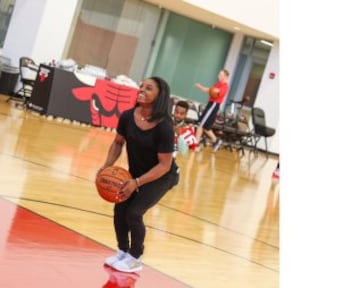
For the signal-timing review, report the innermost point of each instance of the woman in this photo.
(147, 130)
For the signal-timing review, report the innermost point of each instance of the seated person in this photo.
(184, 133)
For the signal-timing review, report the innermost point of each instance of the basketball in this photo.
(109, 182)
(214, 92)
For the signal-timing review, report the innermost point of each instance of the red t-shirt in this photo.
(223, 87)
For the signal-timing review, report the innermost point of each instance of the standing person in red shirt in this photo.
(216, 97)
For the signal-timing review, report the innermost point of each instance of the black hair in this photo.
(161, 105)
(183, 104)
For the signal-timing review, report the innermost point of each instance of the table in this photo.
(79, 97)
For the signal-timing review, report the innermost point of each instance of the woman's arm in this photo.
(114, 151)
(164, 165)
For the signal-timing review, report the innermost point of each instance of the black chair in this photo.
(259, 128)
(225, 127)
(243, 134)
(236, 128)
(26, 65)
(193, 114)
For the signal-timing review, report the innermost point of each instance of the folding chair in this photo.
(28, 70)
(259, 128)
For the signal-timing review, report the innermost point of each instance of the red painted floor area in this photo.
(38, 253)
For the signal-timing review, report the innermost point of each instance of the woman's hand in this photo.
(129, 186)
(99, 171)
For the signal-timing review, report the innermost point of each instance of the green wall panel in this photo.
(191, 52)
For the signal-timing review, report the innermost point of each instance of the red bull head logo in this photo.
(107, 100)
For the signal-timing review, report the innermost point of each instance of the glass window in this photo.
(6, 9)
(116, 35)
(249, 70)
(191, 52)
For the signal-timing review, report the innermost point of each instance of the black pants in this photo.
(208, 116)
(128, 215)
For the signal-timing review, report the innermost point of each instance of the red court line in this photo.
(37, 253)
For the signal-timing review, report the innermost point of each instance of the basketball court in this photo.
(218, 227)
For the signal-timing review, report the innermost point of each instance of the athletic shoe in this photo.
(117, 257)
(217, 144)
(128, 264)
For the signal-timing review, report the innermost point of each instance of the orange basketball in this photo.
(213, 92)
(109, 182)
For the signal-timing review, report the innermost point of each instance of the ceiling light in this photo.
(267, 43)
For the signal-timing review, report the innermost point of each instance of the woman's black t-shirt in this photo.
(144, 145)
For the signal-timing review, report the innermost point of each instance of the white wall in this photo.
(54, 29)
(23, 29)
(38, 29)
(233, 54)
(262, 15)
(268, 97)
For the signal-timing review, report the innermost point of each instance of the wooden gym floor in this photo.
(219, 227)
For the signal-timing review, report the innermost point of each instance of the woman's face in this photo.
(148, 92)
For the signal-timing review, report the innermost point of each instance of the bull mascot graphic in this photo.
(107, 100)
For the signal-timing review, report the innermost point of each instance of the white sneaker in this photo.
(128, 264)
(117, 257)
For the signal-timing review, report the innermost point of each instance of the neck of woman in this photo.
(144, 113)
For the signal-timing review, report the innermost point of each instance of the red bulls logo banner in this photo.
(86, 99)
(106, 100)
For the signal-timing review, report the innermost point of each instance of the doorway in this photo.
(249, 71)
